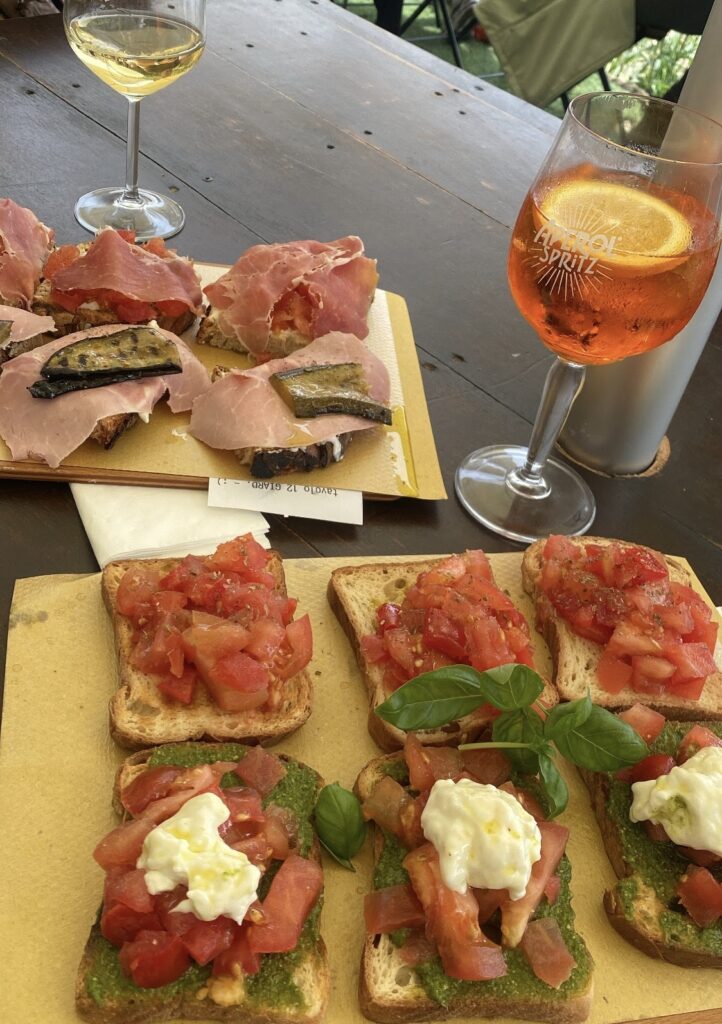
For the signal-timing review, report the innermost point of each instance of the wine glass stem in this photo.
(560, 389)
(131, 194)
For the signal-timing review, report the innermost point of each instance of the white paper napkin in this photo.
(142, 522)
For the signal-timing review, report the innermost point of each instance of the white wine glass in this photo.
(136, 47)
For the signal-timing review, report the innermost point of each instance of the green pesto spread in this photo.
(274, 984)
(396, 769)
(519, 980)
(660, 864)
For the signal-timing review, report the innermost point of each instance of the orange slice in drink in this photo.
(627, 230)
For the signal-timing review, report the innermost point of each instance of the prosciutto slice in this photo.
(242, 409)
(48, 430)
(24, 246)
(24, 325)
(114, 264)
(312, 288)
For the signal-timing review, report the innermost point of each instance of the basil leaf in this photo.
(520, 726)
(511, 686)
(434, 699)
(339, 823)
(567, 716)
(555, 788)
(602, 743)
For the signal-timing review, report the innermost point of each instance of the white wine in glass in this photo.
(136, 48)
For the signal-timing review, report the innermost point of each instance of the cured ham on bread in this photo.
(112, 280)
(21, 330)
(243, 412)
(39, 430)
(24, 247)
(278, 298)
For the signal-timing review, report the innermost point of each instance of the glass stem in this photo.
(131, 194)
(560, 389)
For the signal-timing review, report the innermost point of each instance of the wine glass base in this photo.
(482, 488)
(153, 216)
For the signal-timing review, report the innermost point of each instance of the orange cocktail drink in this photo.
(603, 269)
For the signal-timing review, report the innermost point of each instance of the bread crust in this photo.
(643, 930)
(575, 659)
(139, 714)
(192, 1005)
(280, 343)
(391, 580)
(409, 1002)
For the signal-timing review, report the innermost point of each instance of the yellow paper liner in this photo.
(162, 453)
(57, 766)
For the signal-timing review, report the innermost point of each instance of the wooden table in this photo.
(303, 121)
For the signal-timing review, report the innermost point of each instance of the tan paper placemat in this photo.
(56, 774)
(394, 461)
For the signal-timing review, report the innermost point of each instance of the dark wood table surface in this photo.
(304, 121)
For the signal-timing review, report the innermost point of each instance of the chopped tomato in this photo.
(181, 688)
(239, 672)
(644, 720)
(260, 770)
(613, 672)
(544, 948)
(205, 940)
(59, 259)
(698, 736)
(265, 639)
(704, 858)
(700, 894)
(441, 634)
(281, 829)
(489, 901)
(386, 804)
(238, 955)
(128, 888)
(294, 891)
(552, 888)
(245, 806)
(190, 782)
(417, 949)
(150, 784)
(154, 958)
(515, 914)
(492, 767)
(651, 767)
(429, 764)
(452, 921)
(120, 923)
(394, 907)
(136, 587)
(692, 661)
(239, 554)
(388, 616)
(300, 640)
(123, 845)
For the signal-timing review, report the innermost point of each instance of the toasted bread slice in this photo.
(391, 992)
(105, 996)
(354, 593)
(576, 659)
(139, 714)
(642, 906)
(280, 343)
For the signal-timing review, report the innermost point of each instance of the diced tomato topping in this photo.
(655, 832)
(644, 720)
(300, 641)
(136, 587)
(260, 770)
(205, 940)
(128, 888)
(429, 764)
(150, 784)
(386, 804)
(59, 259)
(294, 891)
(698, 736)
(452, 921)
(543, 946)
(180, 688)
(489, 901)
(153, 959)
(700, 894)
(388, 616)
(491, 767)
(417, 949)
(552, 888)
(515, 914)
(238, 956)
(373, 648)
(704, 858)
(651, 767)
(280, 829)
(120, 923)
(657, 635)
(123, 845)
(394, 907)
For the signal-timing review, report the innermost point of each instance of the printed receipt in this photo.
(298, 499)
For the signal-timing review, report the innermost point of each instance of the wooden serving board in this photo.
(57, 765)
(391, 462)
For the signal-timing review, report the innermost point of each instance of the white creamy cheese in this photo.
(187, 850)
(483, 836)
(687, 801)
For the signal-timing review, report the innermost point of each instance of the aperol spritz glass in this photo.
(136, 47)
(611, 254)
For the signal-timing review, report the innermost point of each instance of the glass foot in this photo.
(153, 216)
(567, 507)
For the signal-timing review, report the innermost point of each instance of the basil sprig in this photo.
(586, 735)
(339, 823)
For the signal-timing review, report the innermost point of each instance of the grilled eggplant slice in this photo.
(128, 354)
(323, 388)
(269, 462)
